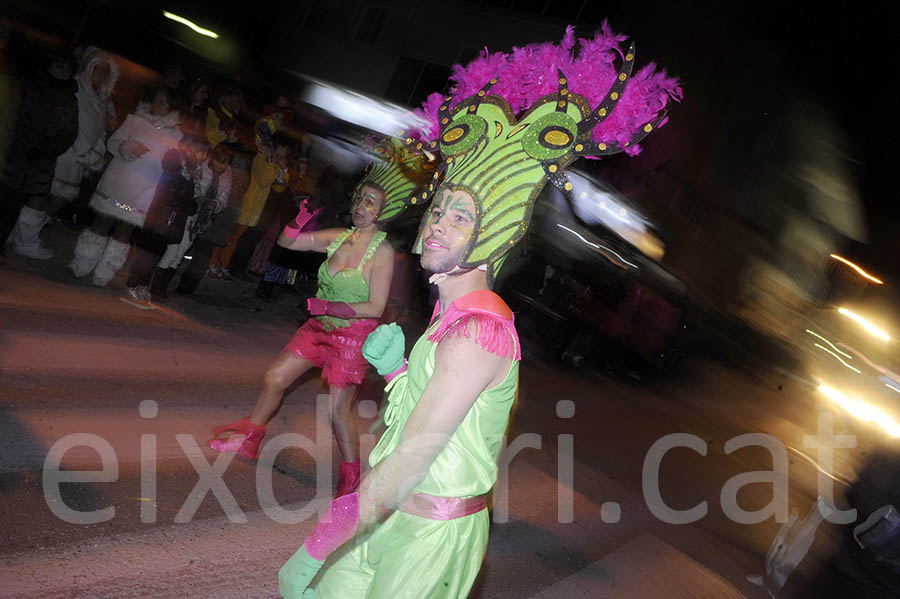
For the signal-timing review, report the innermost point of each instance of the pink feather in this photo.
(528, 73)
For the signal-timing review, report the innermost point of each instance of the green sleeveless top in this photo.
(348, 285)
(467, 466)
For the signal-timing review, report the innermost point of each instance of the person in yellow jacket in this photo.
(266, 172)
(226, 109)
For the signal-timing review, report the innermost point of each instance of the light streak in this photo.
(862, 410)
(822, 347)
(829, 343)
(892, 387)
(857, 269)
(871, 328)
(193, 26)
(595, 245)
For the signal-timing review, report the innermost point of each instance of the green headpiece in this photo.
(398, 170)
(504, 162)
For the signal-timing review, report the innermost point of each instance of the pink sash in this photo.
(443, 508)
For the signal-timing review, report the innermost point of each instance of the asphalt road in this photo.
(76, 360)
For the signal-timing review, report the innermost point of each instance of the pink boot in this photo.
(244, 439)
(348, 478)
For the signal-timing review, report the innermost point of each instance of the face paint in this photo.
(367, 205)
(449, 231)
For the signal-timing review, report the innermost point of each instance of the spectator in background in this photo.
(127, 187)
(211, 194)
(208, 246)
(264, 175)
(193, 120)
(46, 127)
(275, 118)
(227, 107)
(95, 79)
(174, 203)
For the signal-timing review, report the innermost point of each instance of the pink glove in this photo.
(318, 307)
(335, 528)
(293, 228)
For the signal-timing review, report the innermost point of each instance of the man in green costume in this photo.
(418, 527)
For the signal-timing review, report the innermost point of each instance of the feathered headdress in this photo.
(514, 121)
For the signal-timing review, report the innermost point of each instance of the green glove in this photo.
(296, 574)
(384, 348)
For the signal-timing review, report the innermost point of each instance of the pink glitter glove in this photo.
(335, 528)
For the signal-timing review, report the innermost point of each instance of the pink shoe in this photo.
(245, 438)
(348, 478)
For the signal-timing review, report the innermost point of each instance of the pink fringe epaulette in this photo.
(492, 332)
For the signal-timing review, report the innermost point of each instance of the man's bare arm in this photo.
(462, 371)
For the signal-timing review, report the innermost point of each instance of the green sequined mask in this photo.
(398, 170)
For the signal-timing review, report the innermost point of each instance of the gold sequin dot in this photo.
(445, 121)
(648, 127)
(579, 148)
(622, 76)
(562, 81)
(629, 57)
(408, 139)
(424, 195)
(562, 103)
(557, 138)
(418, 146)
(493, 81)
(444, 107)
(568, 186)
(564, 91)
(448, 98)
(481, 93)
(601, 112)
(552, 168)
(413, 201)
(450, 159)
(602, 146)
(471, 108)
(614, 95)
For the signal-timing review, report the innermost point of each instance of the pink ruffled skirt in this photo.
(337, 352)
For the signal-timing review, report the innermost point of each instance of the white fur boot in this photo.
(25, 238)
(114, 257)
(88, 250)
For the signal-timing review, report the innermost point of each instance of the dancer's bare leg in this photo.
(279, 376)
(342, 421)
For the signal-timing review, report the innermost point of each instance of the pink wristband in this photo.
(392, 375)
